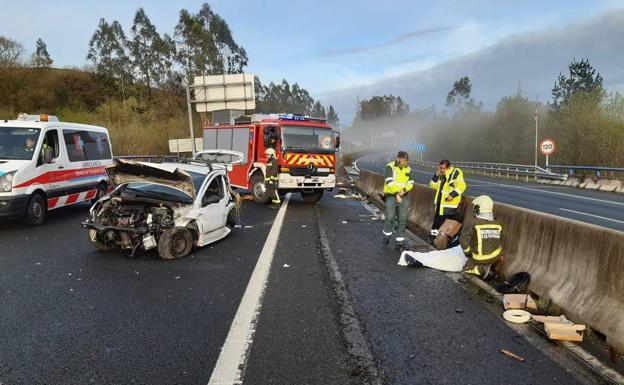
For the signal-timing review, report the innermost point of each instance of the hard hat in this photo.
(483, 204)
(269, 152)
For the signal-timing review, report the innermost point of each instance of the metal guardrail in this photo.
(504, 168)
(596, 170)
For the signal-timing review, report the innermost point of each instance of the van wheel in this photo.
(258, 189)
(95, 239)
(175, 243)
(312, 196)
(102, 189)
(36, 210)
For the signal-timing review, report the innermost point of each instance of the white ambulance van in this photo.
(46, 164)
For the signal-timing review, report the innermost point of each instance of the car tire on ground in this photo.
(36, 210)
(96, 241)
(312, 196)
(258, 189)
(102, 189)
(175, 242)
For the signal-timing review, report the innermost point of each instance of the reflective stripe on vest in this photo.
(478, 255)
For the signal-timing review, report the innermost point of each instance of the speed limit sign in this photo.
(547, 147)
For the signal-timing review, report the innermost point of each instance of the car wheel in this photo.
(312, 196)
(175, 243)
(36, 210)
(258, 189)
(95, 239)
(102, 189)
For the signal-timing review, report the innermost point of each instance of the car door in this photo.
(213, 204)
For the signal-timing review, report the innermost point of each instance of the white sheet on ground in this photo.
(452, 259)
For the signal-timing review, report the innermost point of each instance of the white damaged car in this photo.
(170, 206)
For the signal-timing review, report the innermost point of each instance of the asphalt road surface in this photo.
(596, 207)
(74, 315)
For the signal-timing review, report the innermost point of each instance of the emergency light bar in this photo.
(292, 117)
(300, 118)
(37, 118)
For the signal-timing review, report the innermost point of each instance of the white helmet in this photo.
(483, 204)
(270, 152)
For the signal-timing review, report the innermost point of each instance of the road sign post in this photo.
(547, 147)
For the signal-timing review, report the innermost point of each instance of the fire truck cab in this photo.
(305, 147)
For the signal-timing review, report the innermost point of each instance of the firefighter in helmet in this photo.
(482, 240)
(271, 179)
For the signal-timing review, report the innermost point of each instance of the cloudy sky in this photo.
(342, 50)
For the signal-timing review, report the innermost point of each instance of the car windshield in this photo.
(307, 139)
(18, 143)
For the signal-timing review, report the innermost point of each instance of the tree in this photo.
(332, 117)
(151, 55)
(41, 58)
(107, 51)
(205, 46)
(381, 107)
(583, 78)
(10, 52)
(460, 93)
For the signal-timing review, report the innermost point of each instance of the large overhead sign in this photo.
(224, 92)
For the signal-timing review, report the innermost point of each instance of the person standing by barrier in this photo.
(399, 180)
(449, 184)
(481, 242)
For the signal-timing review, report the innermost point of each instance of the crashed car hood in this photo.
(123, 171)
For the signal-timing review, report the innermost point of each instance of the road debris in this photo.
(177, 277)
(519, 301)
(286, 265)
(517, 316)
(560, 328)
(344, 222)
(512, 355)
(248, 227)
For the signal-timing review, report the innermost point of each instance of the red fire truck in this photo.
(306, 152)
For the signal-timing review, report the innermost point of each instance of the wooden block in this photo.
(564, 326)
(551, 319)
(519, 301)
(565, 333)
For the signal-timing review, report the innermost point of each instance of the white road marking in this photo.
(228, 369)
(591, 215)
(494, 184)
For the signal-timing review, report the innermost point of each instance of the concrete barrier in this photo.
(577, 265)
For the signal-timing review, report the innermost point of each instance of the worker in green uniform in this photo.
(399, 180)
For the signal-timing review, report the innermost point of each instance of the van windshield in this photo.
(18, 143)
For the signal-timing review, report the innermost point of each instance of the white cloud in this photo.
(532, 58)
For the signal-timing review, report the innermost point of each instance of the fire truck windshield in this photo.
(307, 139)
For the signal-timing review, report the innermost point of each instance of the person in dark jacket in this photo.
(271, 179)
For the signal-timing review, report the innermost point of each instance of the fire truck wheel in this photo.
(258, 189)
(175, 242)
(312, 196)
(95, 239)
(36, 210)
